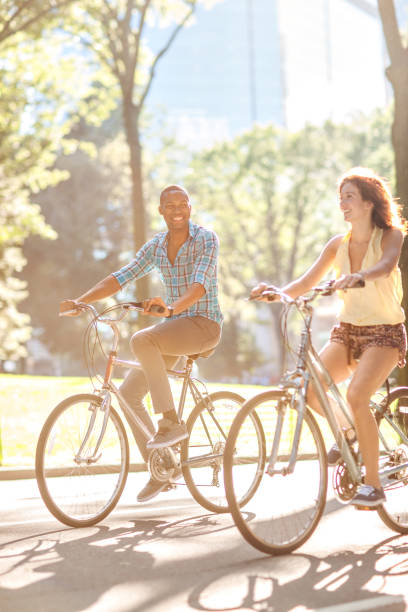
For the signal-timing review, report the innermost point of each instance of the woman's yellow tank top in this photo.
(379, 302)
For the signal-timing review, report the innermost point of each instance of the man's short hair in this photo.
(171, 188)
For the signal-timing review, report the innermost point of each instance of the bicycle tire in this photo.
(81, 495)
(394, 512)
(287, 507)
(202, 470)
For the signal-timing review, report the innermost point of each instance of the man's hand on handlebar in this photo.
(69, 308)
(265, 293)
(155, 307)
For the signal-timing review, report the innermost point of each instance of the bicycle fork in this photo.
(298, 405)
(104, 407)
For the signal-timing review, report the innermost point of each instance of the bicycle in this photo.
(82, 456)
(291, 494)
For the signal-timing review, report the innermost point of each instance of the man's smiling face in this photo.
(175, 209)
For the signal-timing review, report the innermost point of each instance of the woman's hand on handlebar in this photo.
(155, 307)
(348, 281)
(258, 292)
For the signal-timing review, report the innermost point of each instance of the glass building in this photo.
(282, 61)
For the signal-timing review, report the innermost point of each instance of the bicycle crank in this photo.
(163, 463)
(344, 488)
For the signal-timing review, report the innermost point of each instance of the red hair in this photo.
(372, 188)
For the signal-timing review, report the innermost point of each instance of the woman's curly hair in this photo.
(373, 188)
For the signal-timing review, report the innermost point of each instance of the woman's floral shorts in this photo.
(358, 338)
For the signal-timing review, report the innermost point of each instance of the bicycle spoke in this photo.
(286, 506)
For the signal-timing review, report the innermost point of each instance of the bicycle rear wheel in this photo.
(202, 454)
(394, 450)
(286, 507)
(80, 490)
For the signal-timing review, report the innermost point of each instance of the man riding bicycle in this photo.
(186, 259)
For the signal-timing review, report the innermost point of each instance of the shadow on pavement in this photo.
(324, 582)
(125, 567)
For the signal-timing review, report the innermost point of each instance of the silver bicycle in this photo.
(82, 457)
(291, 495)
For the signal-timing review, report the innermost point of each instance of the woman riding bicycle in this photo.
(370, 339)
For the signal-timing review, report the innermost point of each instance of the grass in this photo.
(26, 401)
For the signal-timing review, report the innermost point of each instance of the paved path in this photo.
(171, 555)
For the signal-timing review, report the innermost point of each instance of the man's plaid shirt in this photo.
(196, 262)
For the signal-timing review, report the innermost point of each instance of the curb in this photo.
(16, 473)
(23, 473)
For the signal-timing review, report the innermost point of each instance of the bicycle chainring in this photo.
(344, 488)
(162, 464)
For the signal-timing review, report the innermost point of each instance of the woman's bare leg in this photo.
(375, 365)
(334, 358)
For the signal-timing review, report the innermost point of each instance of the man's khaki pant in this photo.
(158, 348)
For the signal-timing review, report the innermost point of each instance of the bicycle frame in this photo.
(130, 415)
(308, 368)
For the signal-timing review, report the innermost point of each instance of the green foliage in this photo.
(89, 211)
(38, 100)
(271, 197)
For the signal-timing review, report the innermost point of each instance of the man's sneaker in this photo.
(168, 434)
(151, 489)
(154, 487)
(368, 496)
(334, 453)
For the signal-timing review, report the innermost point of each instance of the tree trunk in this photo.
(399, 141)
(131, 123)
(397, 74)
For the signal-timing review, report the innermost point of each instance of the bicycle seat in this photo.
(203, 354)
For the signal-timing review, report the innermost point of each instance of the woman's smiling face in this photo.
(352, 204)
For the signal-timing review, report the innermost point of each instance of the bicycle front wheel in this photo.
(202, 454)
(80, 482)
(287, 506)
(393, 432)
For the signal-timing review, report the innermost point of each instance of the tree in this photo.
(90, 214)
(397, 74)
(36, 113)
(113, 33)
(27, 15)
(272, 200)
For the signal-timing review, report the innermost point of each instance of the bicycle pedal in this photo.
(170, 487)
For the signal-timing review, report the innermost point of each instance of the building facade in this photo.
(282, 61)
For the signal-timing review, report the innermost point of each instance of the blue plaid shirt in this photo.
(196, 262)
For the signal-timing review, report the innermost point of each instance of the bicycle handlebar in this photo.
(326, 289)
(82, 306)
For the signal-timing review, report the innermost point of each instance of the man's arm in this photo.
(104, 289)
(189, 297)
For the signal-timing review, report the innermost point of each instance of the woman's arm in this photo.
(312, 276)
(316, 271)
(391, 245)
